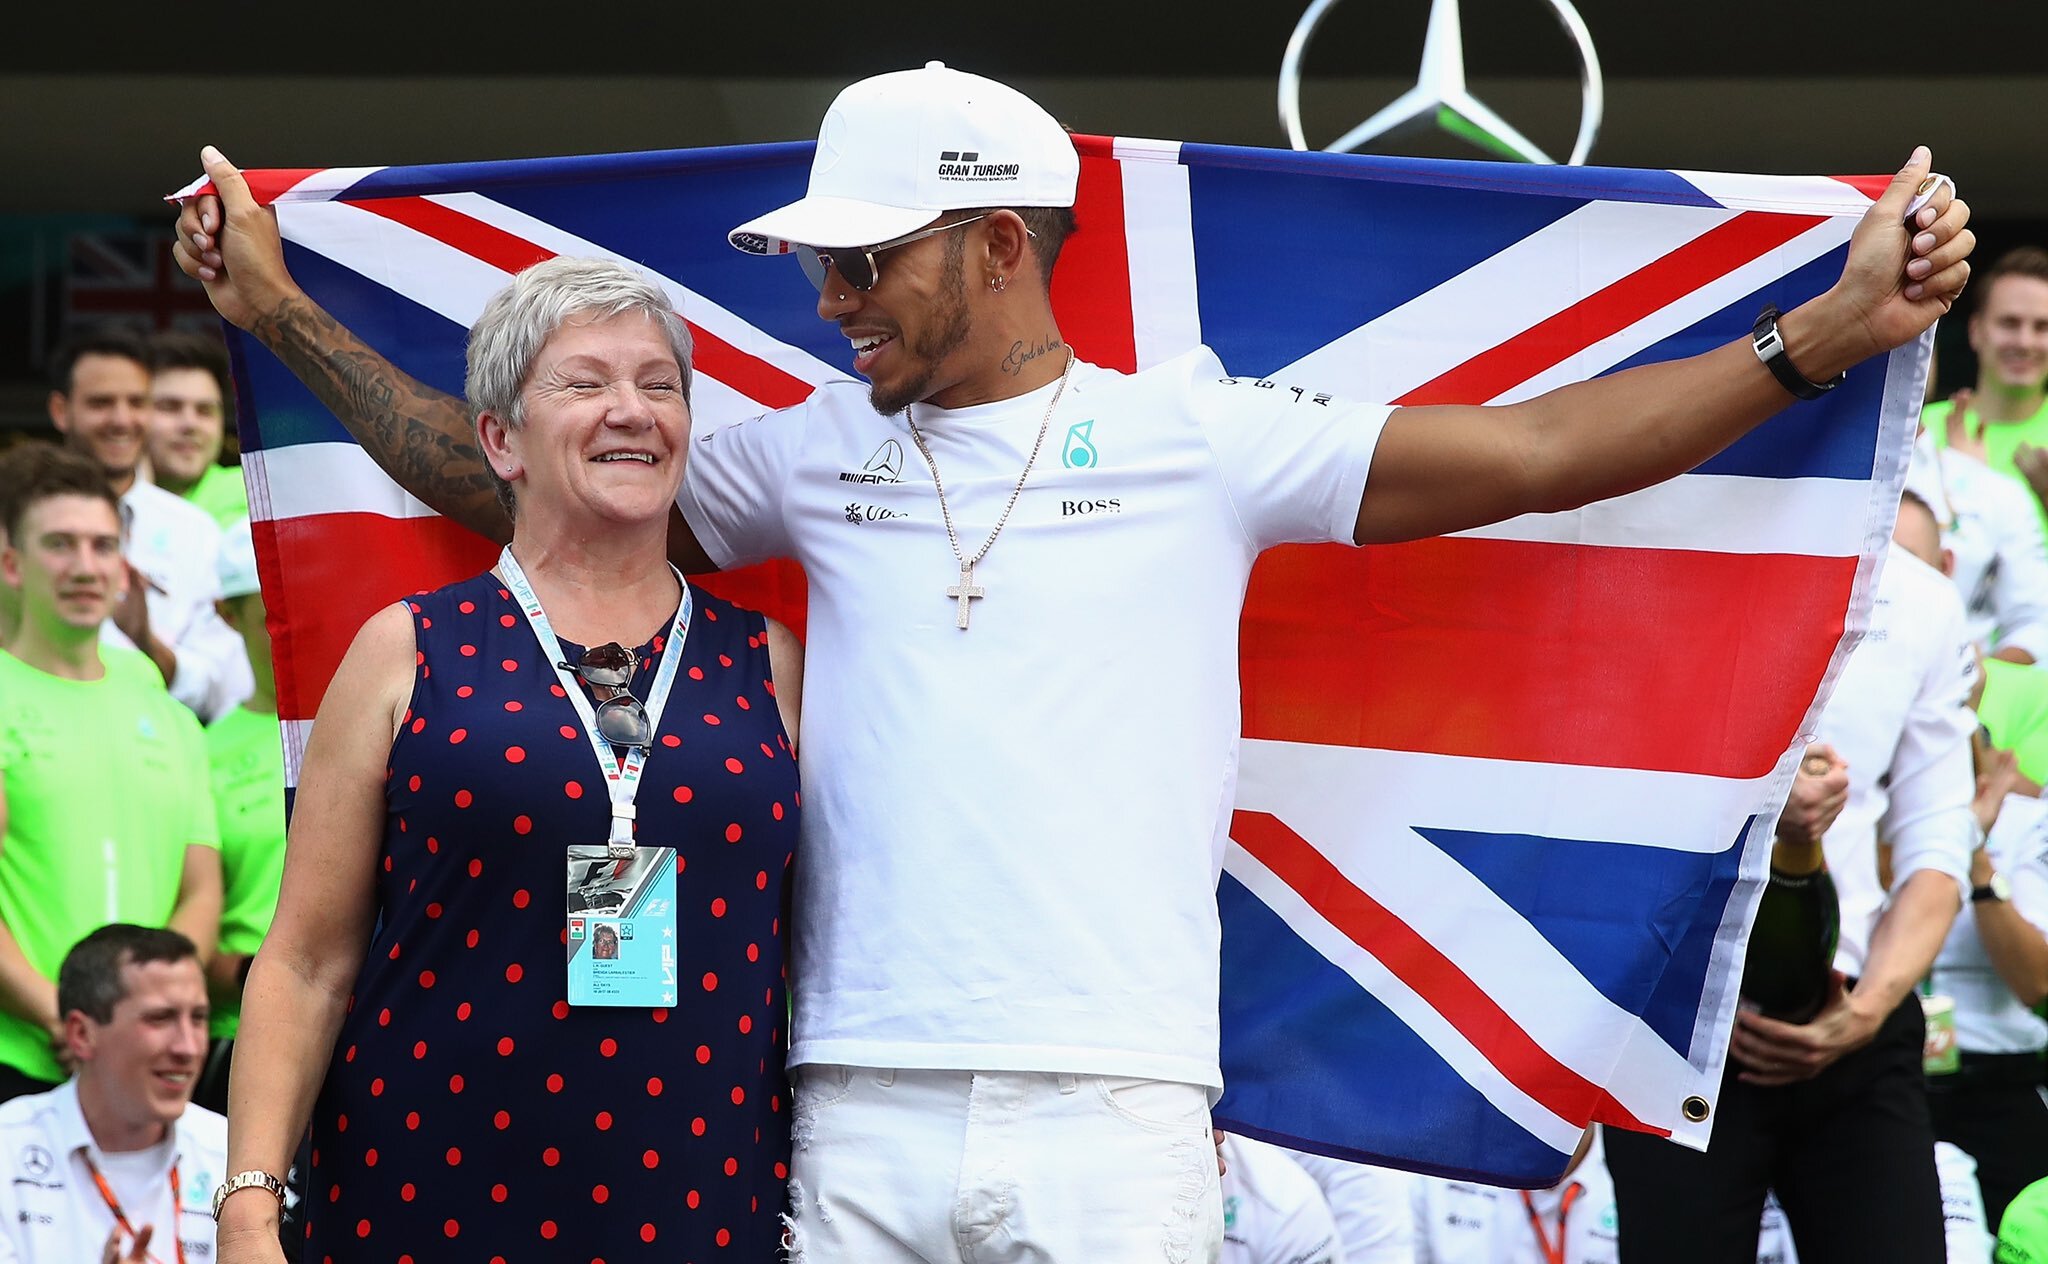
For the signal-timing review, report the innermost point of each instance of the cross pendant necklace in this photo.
(967, 590)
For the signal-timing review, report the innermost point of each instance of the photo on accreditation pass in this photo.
(602, 886)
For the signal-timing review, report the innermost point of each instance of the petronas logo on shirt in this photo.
(1079, 452)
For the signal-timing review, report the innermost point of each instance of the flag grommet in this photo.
(1695, 1109)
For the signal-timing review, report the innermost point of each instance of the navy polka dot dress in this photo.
(469, 1112)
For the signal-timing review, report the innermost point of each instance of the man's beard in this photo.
(945, 328)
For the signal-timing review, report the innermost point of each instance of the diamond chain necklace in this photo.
(966, 590)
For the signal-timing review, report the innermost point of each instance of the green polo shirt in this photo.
(222, 494)
(246, 750)
(106, 787)
(2001, 440)
(2015, 712)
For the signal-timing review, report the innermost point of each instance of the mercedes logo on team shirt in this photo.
(885, 466)
(1440, 95)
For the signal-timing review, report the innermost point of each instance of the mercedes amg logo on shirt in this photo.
(885, 466)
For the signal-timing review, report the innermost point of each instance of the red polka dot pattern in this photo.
(486, 1111)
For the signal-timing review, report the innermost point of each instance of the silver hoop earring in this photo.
(996, 284)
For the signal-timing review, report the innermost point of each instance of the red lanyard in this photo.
(1553, 1253)
(121, 1217)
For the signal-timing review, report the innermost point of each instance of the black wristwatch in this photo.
(1770, 348)
(1998, 890)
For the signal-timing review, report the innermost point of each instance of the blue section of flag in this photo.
(1831, 437)
(1332, 228)
(1324, 1049)
(1665, 892)
(674, 221)
(418, 339)
(1578, 184)
(498, 176)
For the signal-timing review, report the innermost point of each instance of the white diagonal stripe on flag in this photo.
(694, 306)
(1449, 1043)
(456, 284)
(1499, 297)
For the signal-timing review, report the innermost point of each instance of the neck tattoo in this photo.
(967, 590)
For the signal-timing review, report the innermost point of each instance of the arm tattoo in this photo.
(420, 436)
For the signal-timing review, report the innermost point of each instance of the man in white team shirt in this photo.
(1273, 1211)
(1026, 575)
(1828, 1111)
(116, 1163)
(1997, 556)
(99, 401)
(1572, 1222)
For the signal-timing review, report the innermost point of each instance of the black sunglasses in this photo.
(621, 720)
(857, 263)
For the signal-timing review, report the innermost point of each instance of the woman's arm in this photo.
(786, 664)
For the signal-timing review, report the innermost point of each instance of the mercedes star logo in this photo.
(1440, 95)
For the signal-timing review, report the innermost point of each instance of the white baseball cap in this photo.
(237, 562)
(897, 149)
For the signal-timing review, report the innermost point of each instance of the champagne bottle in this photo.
(1792, 943)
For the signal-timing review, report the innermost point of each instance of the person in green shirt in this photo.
(2003, 420)
(246, 750)
(105, 811)
(2014, 710)
(189, 394)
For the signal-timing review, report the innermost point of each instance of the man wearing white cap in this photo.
(1022, 742)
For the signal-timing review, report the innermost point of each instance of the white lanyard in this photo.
(621, 781)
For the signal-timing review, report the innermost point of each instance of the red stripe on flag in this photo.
(268, 185)
(505, 251)
(751, 376)
(1433, 977)
(1091, 289)
(1610, 310)
(712, 355)
(1872, 187)
(347, 567)
(1567, 654)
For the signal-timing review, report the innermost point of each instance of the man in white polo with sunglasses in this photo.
(1026, 574)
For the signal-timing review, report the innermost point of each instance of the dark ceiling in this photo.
(1038, 38)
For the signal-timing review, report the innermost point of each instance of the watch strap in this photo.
(1769, 345)
(247, 1180)
(1989, 893)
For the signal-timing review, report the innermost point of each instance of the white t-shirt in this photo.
(1899, 717)
(1273, 1211)
(1990, 525)
(1012, 834)
(51, 1210)
(1989, 1018)
(176, 546)
(1372, 1206)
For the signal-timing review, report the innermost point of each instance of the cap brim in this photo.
(826, 223)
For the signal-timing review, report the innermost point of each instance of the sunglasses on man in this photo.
(857, 264)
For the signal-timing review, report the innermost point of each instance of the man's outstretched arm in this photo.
(1451, 468)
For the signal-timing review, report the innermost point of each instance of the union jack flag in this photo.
(1505, 797)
